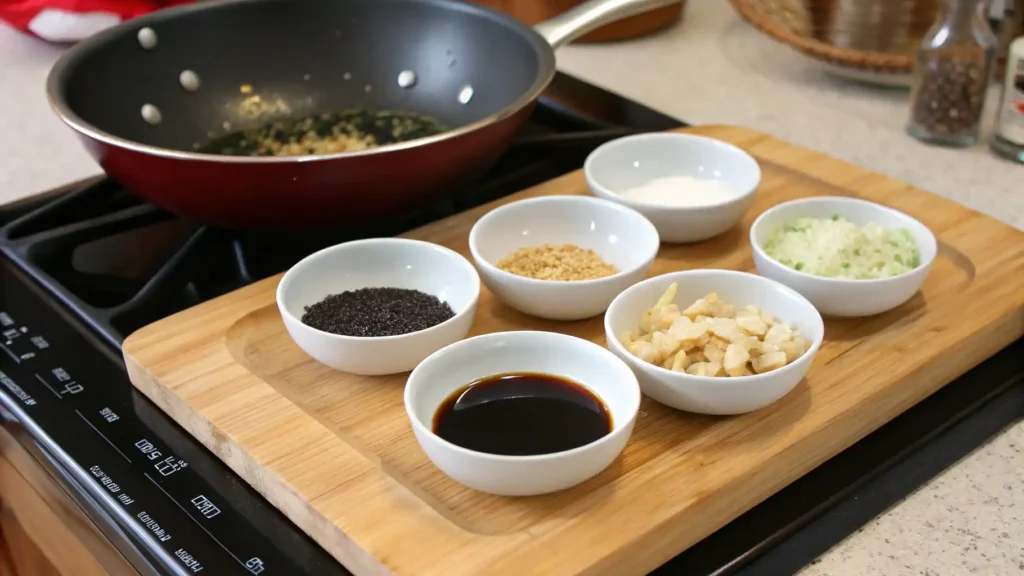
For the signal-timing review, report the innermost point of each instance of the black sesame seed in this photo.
(370, 312)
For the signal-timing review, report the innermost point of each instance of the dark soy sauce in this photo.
(522, 414)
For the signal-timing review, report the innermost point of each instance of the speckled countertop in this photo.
(969, 520)
(714, 69)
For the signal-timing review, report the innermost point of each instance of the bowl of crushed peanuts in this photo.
(714, 341)
(562, 257)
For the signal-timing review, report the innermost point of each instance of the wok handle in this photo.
(591, 15)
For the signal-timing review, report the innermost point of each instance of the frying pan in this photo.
(476, 70)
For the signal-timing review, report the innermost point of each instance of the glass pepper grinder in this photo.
(951, 75)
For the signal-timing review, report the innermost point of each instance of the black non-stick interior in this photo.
(301, 57)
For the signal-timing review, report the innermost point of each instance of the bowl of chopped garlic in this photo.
(848, 256)
(714, 341)
(562, 257)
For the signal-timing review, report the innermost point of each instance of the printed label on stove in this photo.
(169, 465)
(20, 394)
(109, 415)
(155, 528)
(189, 562)
(105, 480)
(147, 448)
(254, 565)
(6, 349)
(9, 343)
(70, 386)
(205, 507)
(209, 510)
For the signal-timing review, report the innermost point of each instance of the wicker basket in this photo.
(809, 26)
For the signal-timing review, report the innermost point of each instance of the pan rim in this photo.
(57, 77)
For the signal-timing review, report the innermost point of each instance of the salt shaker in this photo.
(951, 74)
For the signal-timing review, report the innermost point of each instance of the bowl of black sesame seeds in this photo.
(378, 306)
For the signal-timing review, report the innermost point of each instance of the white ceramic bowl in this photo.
(573, 358)
(635, 160)
(703, 394)
(620, 236)
(379, 262)
(835, 296)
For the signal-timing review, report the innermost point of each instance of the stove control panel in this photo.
(120, 444)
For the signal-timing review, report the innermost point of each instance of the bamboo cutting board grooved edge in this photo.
(336, 454)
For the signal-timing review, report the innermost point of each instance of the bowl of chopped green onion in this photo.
(849, 257)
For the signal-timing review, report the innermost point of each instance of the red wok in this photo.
(145, 95)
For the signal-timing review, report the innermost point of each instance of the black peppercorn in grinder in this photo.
(951, 75)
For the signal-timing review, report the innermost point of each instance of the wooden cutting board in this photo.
(335, 452)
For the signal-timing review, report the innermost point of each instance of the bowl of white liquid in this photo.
(690, 187)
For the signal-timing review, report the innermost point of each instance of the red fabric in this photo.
(21, 13)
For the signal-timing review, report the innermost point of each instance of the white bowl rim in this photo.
(636, 396)
(285, 280)
(717, 380)
(848, 200)
(493, 268)
(626, 140)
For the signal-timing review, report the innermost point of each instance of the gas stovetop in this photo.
(83, 269)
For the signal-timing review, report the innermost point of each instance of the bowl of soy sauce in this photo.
(522, 413)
